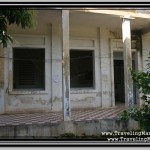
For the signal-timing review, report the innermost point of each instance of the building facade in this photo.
(74, 59)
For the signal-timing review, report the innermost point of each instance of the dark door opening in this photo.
(119, 81)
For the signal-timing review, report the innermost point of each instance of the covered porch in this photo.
(104, 33)
(51, 125)
(130, 26)
(56, 117)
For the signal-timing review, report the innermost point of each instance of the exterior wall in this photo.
(30, 100)
(105, 68)
(81, 37)
(2, 107)
(145, 52)
(145, 49)
(100, 95)
(56, 68)
(47, 35)
(53, 130)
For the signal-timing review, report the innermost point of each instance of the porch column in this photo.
(127, 54)
(1, 81)
(66, 66)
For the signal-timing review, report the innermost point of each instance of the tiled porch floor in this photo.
(51, 117)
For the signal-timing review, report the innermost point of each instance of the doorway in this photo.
(119, 81)
(119, 86)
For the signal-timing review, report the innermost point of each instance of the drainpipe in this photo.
(127, 54)
(66, 66)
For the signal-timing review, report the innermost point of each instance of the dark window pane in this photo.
(29, 68)
(81, 68)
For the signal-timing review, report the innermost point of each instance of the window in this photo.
(29, 68)
(81, 69)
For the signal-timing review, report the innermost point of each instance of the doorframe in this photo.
(116, 45)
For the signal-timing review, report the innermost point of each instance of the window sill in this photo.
(83, 91)
(27, 92)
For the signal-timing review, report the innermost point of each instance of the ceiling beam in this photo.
(117, 13)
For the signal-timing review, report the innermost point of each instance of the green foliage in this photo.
(142, 79)
(23, 17)
(123, 115)
(141, 114)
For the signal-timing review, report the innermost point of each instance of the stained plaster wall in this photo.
(145, 49)
(100, 94)
(1, 81)
(145, 53)
(51, 100)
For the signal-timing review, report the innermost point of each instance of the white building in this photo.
(35, 75)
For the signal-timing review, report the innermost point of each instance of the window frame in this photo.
(93, 54)
(45, 46)
(93, 48)
(29, 87)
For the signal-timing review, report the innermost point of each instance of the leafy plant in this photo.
(140, 114)
(123, 115)
(23, 17)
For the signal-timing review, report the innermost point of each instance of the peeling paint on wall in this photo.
(86, 99)
(98, 94)
(42, 102)
(57, 99)
(1, 85)
(81, 97)
(116, 34)
(10, 79)
(130, 98)
(104, 78)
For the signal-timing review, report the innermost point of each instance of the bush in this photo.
(140, 114)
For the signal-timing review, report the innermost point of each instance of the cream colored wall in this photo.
(50, 27)
(2, 106)
(100, 95)
(145, 49)
(51, 98)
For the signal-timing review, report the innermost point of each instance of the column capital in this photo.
(127, 17)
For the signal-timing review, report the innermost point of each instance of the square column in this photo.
(127, 54)
(66, 66)
(2, 80)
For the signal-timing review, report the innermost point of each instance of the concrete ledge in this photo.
(49, 130)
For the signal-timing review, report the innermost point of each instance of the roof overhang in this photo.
(117, 13)
(113, 18)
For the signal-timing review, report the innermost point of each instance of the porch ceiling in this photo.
(105, 19)
(109, 21)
